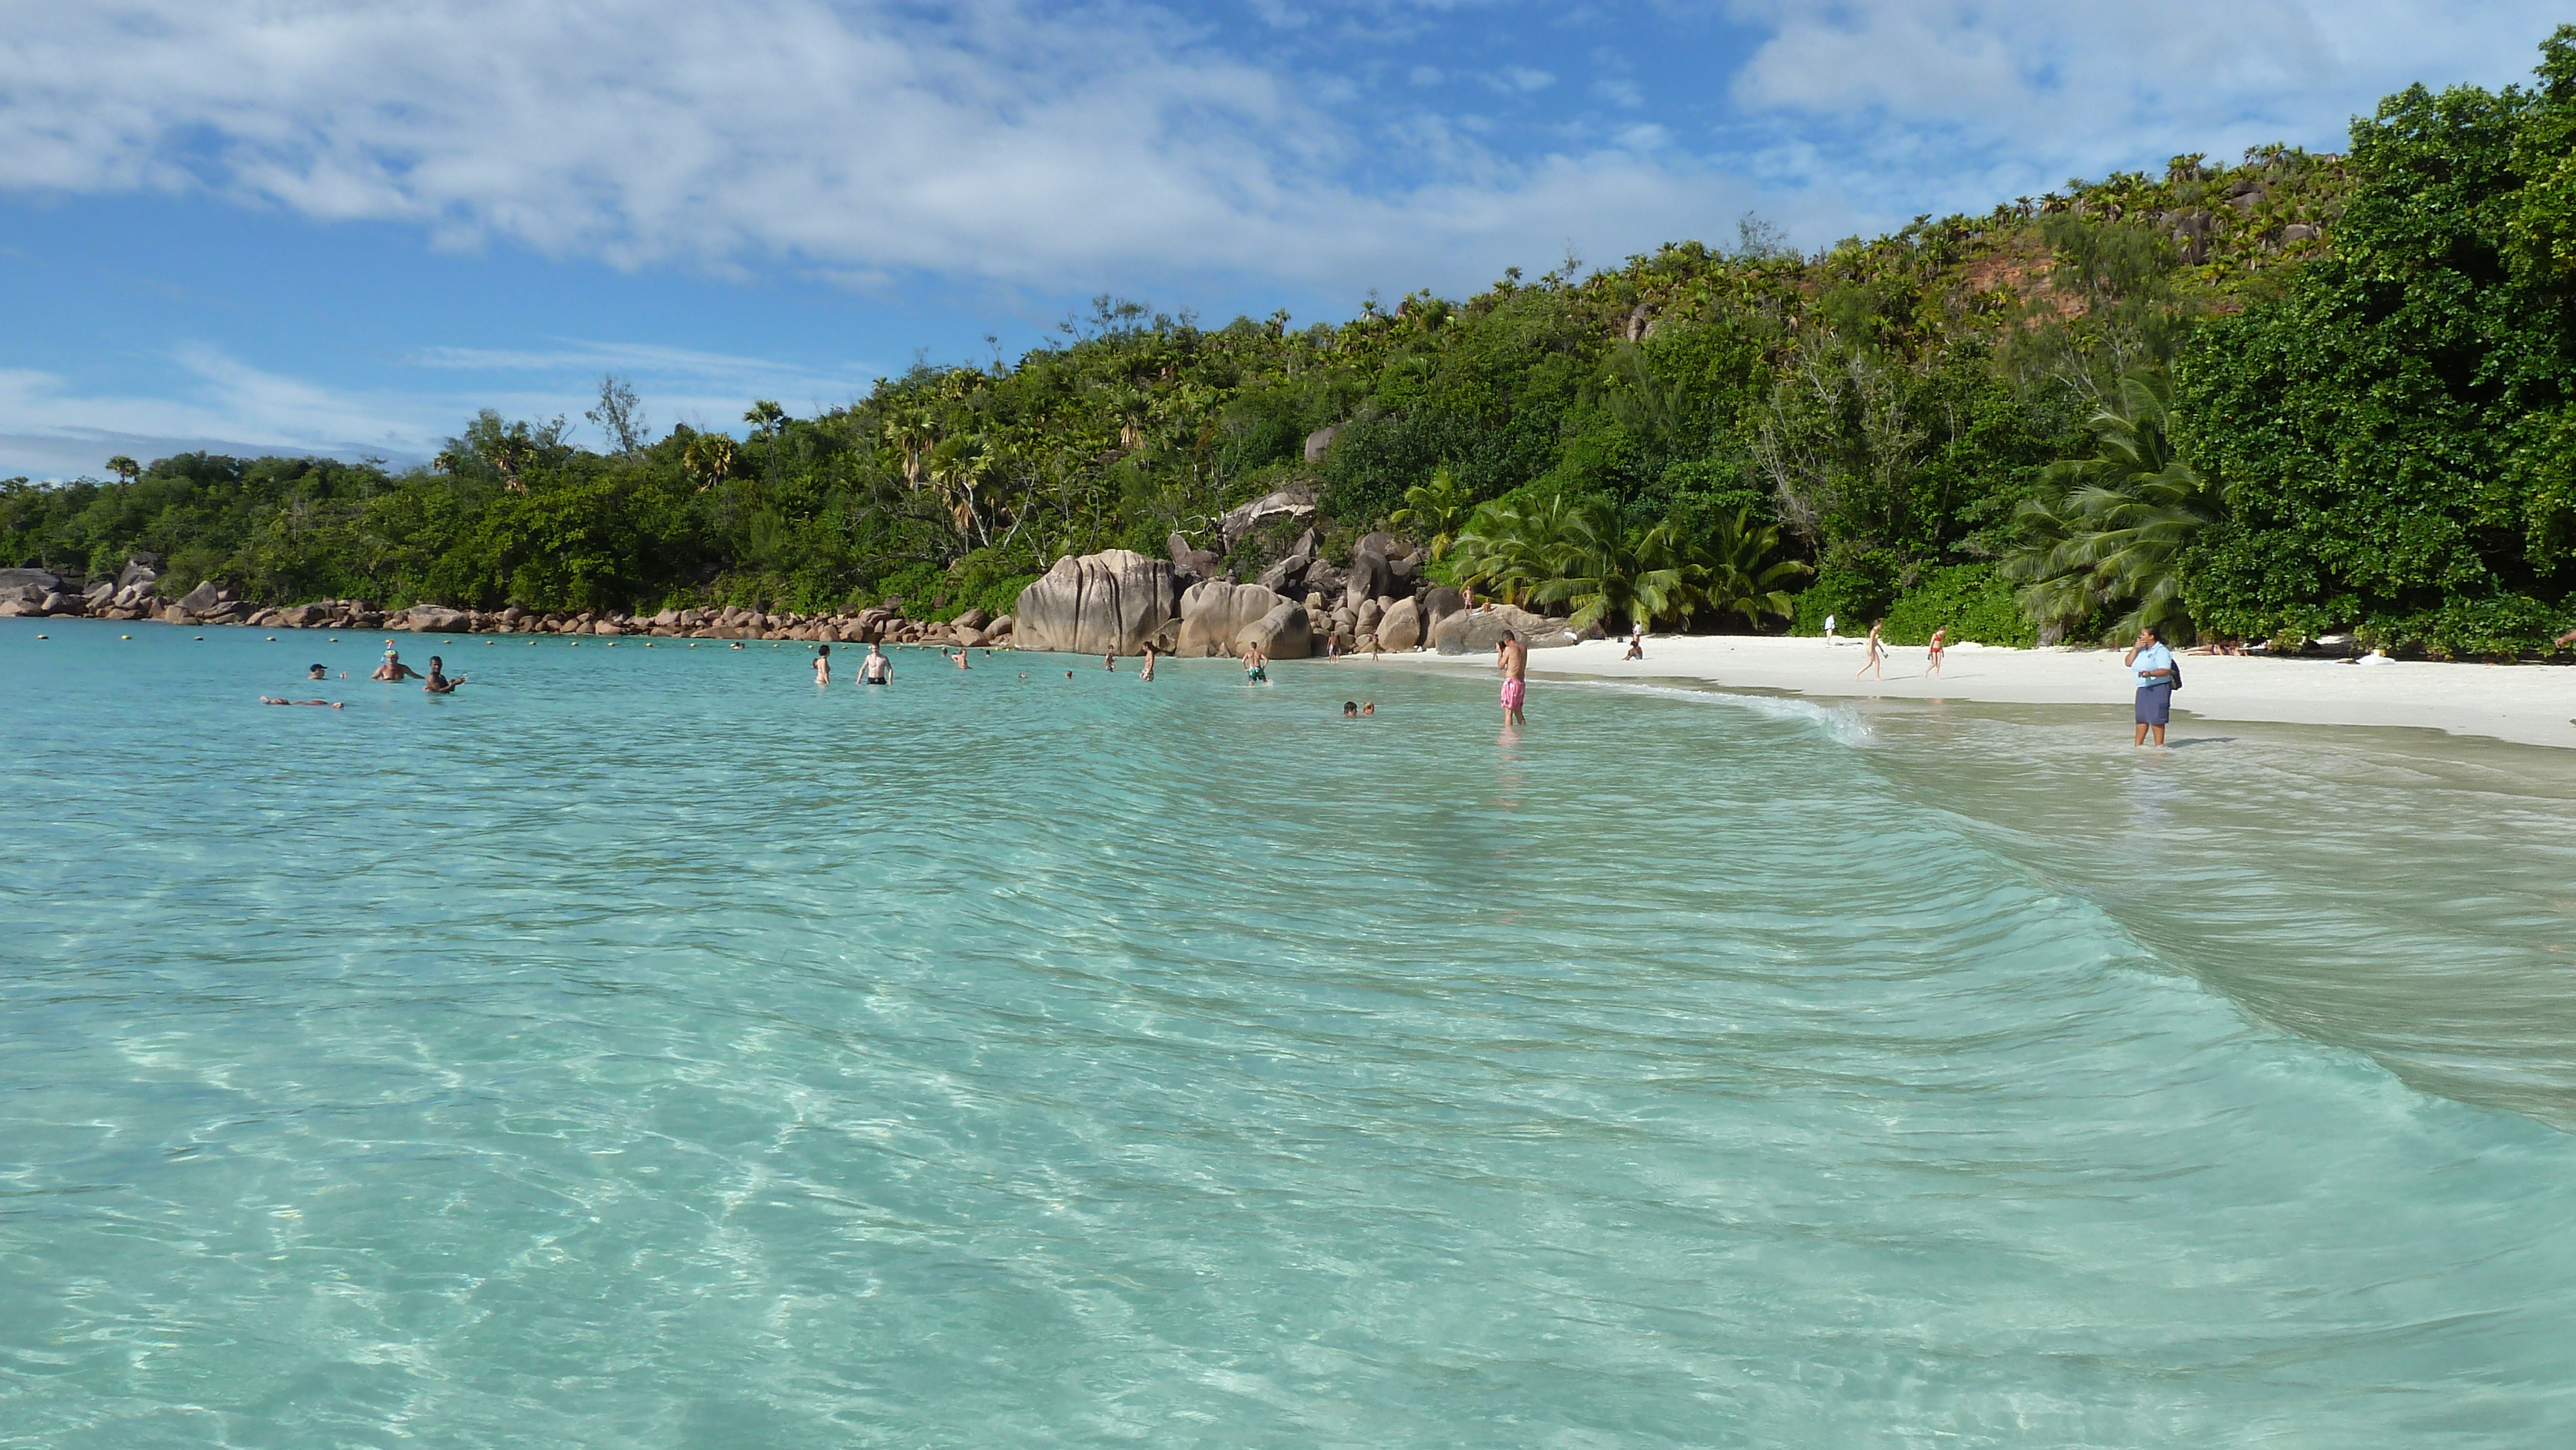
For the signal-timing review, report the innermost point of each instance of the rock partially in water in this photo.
(1216, 615)
(1285, 633)
(1106, 603)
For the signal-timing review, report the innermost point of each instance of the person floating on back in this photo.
(273, 700)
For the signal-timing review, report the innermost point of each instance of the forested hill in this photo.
(2271, 399)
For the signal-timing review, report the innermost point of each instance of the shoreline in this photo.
(2524, 704)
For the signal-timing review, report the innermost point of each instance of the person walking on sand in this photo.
(1932, 652)
(877, 670)
(1513, 657)
(1830, 641)
(823, 664)
(1877, 660)
(2153, 666)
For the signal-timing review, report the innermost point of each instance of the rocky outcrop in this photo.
(1285, 633)
(1189, 562)
(1478, 633)
(202, 599)
(1320, 442)
(1216, 616)
(1105, 603)
(1370, 578)
(1291, 502)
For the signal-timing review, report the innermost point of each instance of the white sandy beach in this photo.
(2531, 704)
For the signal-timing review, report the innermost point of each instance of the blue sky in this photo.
(342, 227)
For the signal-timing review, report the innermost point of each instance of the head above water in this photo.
(316, 671)
(1350, 709)
(821, 650)
(434, 663)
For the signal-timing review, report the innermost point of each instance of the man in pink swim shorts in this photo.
(1513, 657)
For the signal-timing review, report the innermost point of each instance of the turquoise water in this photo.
(643, 1048)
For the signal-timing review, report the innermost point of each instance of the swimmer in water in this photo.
(394, 670)
(1350, 709)
(317, 673)
(961, 660)
(1369, 708)
(1256, 665)
(878, 670)
(273, 700)
(438, 683)
(822, 664)
(1149, 661)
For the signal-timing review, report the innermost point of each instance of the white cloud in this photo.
(51, 426)
(1044, 146)
(1940, 97)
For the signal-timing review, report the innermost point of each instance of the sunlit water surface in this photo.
(646, 1048)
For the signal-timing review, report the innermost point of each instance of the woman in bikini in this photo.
(1877, 655)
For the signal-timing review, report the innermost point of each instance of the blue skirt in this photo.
(2155, 703)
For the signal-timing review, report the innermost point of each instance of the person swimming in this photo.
(438, 683)
(822, 664)
(273, 700)
(317, 673)
(1368, 707)
(1350, 709)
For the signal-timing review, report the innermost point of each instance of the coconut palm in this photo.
(1731, 570)
(1607, 575)
(126, 469)
(1516, 543)
(1435, 511)
(2113, 529)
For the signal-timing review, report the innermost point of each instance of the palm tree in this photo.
(1608, 575)
(1731, 570)
(2114, 529)
(1435, 511)
(765, 417)
(1516, 543)
(710, 456)
(125, 469)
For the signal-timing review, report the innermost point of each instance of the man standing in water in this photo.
(878, 669)
(438, 683)
(1513, 658)
(2153, 666)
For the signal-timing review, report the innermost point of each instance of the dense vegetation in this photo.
(2271, 400)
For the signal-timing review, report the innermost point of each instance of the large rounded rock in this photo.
(1402, 626)
(1285, 633)
(1438, 604)
(1478, 633)
(1106, 603)
(202, 599)
(430, 619)
(1215, 615)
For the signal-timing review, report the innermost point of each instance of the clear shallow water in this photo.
(641, 1048)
